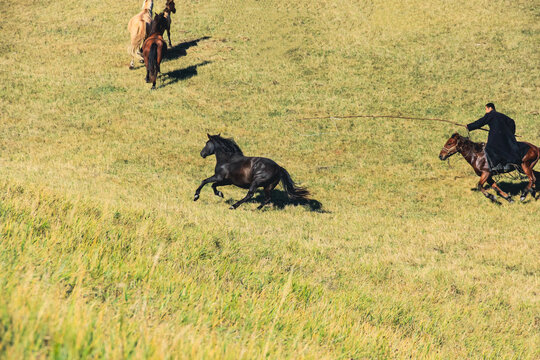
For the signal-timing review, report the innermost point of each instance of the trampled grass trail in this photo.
(103, 253)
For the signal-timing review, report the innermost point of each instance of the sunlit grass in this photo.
(103, 253)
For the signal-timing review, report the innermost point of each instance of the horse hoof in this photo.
(522, 198)
(510, 200)
(232, 207)
(493, 199)
(220, 194)
(196, 197)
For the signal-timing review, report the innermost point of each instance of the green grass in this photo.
(103, 253)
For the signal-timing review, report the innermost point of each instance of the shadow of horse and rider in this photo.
(515, 185)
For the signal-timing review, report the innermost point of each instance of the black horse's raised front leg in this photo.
(211, 179)
(220, 183)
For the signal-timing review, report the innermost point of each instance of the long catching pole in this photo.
(388, 117)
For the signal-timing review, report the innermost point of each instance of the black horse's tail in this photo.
(152, 64)
(293, 191)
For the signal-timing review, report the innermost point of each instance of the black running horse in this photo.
(233, 168)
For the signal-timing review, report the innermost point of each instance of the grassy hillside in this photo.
(104, 254)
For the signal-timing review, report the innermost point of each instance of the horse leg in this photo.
(160, 50)
(266, 200)
(220, 183)
(483, 178)
(248, 196)
(527, 164)
(267, 191)
(169, 35)
(140, 55)
(211, 179)
(527, 169)
(506, 196)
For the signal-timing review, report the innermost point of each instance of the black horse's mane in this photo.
(227, 145)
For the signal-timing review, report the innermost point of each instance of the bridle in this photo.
(448, 150)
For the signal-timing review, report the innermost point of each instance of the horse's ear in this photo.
(219, 134)
(209, 136)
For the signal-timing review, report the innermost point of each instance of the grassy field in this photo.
(103, 253)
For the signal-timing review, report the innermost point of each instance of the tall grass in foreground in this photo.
(103, 254)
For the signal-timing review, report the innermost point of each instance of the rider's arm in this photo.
(512, 126)
(478, 123)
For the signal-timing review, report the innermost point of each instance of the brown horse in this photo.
(154, 48)
(475, 156)
(139, 29)
(169, 7)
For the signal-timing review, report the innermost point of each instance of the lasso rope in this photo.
(390, 117)
(387, 117)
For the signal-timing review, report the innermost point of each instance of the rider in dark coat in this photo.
(501, 148)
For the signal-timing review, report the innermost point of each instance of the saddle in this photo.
(503, 168)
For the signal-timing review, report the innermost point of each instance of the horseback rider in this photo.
(502, 149)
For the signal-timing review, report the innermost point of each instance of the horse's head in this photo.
(170, 5)
(159, 24)
(451, 146)
(148, 5)
(210, 147)
(220, 145)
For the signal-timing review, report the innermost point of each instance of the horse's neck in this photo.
(224, 157)
(467, 151)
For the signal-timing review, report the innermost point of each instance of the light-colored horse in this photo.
(139, 29)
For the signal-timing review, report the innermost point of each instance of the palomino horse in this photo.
(169, 7)
(233, 168)
(154, 48)
(475, 156)
(139, 29)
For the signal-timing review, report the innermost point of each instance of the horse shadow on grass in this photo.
(180, 50)
(515, 188)
(280, 200)
(175, 76)
(175, 52)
